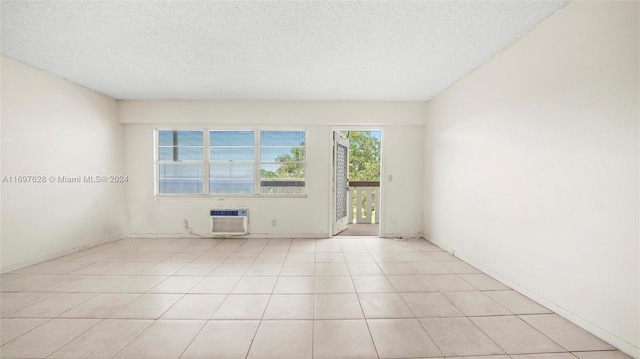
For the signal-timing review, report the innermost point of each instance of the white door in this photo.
(341, 182)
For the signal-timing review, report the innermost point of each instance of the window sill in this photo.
(222, 197)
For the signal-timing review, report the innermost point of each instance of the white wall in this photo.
(402, 158)
(52, 127)
(532, 167)
(402, 131)
(273, 112)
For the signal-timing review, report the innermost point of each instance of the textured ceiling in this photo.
(277, 50)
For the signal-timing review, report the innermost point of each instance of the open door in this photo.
(341, 183)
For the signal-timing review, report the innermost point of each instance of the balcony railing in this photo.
(282, 187)
(364, 202)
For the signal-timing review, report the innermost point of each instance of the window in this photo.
(231, 162)
(282, 162)
(241, 163)
(180, 159)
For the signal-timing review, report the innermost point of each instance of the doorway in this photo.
(356, 182)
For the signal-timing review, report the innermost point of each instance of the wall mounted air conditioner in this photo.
(229, 221)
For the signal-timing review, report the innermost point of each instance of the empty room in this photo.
(320, 179)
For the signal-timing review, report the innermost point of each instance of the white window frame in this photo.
(207, 161)
(210, 162)
(259, 164)
(158, 162)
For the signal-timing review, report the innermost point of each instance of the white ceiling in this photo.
(276, 50)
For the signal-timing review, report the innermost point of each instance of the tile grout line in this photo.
(152, 321)
(29, 331)
(204, 324)
(156, 320)
(265, 308)
(418, 320)
(75, 337)
(135, 337)
(539, 331)
(375, 347)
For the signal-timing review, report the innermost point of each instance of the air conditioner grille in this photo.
(229, 221)
(227, 225)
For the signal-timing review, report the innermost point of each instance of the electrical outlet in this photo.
(274, 222)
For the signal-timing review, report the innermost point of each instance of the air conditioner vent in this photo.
(229, 221)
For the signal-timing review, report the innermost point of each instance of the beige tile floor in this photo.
(280, 298)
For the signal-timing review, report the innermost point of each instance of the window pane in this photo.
(190, 138)
(165, 138)
(285, 171)
(165, 153)
(232, 153)
(189, 153)
(236, 186)
(282, 138)
(182, 138)
(181, 153)
(283, 154)
(231, 138)
(180, 170)
(231, 170)
(172, 185)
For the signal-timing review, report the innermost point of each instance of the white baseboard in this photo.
(248, 236)
(608, 337)
(65, 252)
(402, 235)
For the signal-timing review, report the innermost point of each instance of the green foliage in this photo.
(267, 174)
(364, 156)
(364, 159)
(364, 162)
(291, 167)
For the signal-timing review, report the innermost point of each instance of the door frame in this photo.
(332, 180)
